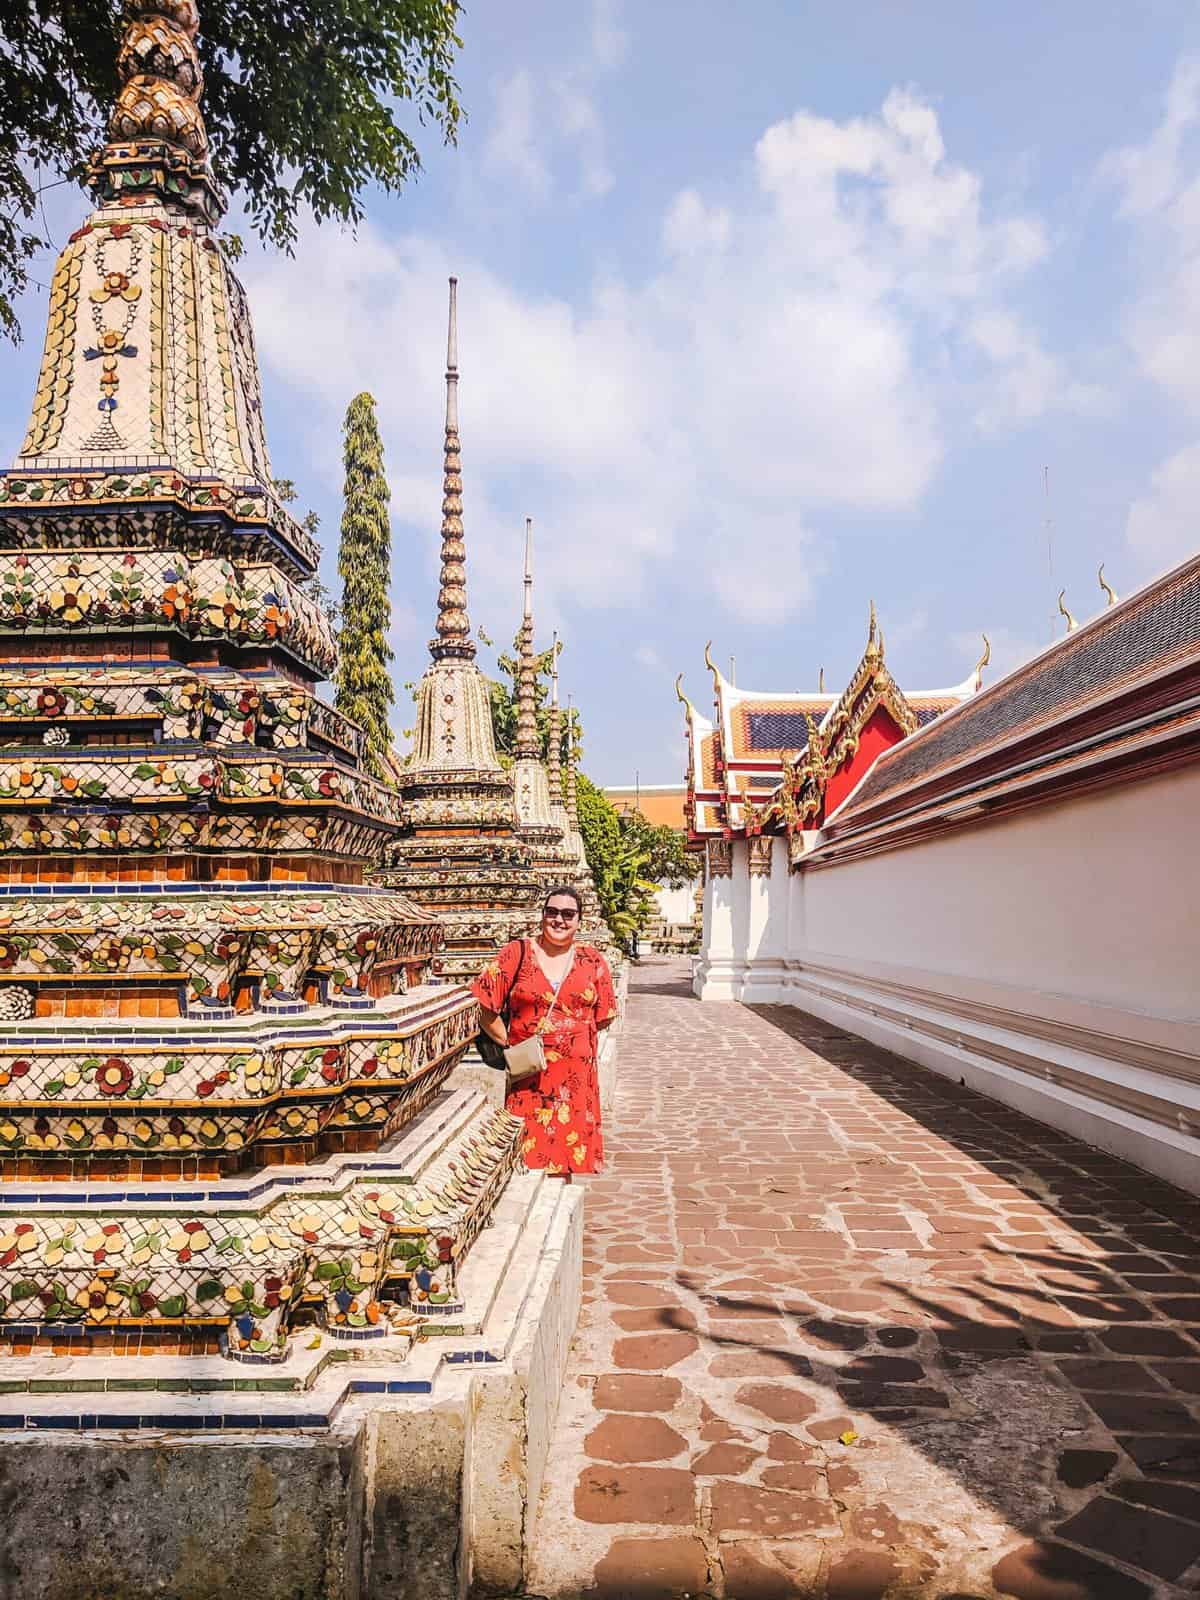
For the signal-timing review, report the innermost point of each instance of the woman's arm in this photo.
(492, 1023)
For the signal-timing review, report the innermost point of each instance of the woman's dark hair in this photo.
(564, 888)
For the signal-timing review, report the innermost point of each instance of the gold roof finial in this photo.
(1071, 623)
(983, 660)
(1111, 595)
(680, 696)
(453, 623)
(712, 667)
(820, 680)
(872, 649)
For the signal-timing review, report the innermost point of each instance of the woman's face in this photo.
(560, 920)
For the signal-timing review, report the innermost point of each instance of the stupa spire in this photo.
(453, 623)
(554, 755)
(572, 798)
(527, 736)
(157, 145)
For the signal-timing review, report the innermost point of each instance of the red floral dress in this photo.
(561, 1106)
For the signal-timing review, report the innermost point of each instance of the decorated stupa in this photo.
(463, 854)
(196, 977)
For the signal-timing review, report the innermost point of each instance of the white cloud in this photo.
(537, 135)
(511, 148)
(1149, 176)
(610, 41)
(1029, 381)
(579, 121)
(1158, 184)
(906, 629)
(805, 346)
(1164, 523)
(647, 656)
(691, 226)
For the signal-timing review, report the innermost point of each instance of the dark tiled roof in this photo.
(1153, 629)
(928, 711)
(777, 730)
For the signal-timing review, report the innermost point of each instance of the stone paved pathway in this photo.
(851, 1331)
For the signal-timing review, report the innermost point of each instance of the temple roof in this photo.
(737, 764)
(1131, 652)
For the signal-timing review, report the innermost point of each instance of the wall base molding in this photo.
(1130, 1085)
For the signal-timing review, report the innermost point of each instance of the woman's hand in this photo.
(492, 1023)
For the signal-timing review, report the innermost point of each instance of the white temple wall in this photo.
(1095, 898)
(676, 905)
(721, 967)
(1050, 959)
(768, 903)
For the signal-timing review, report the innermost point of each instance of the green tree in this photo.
(619, 859)
(504, 700)
(364, 684)
(301, 103)
(667, 857)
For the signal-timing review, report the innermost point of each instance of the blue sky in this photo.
(766, 311)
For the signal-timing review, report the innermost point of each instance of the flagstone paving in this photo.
(852, 1331)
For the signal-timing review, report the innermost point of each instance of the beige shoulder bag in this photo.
(528, 1058)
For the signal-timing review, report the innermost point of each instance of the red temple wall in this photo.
(880, 734)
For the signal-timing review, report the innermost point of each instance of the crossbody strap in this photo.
(561, 982)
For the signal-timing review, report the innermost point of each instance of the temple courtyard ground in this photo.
(852, 1331)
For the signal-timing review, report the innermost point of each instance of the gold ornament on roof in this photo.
(820, 680)
(1111, 595)
(1071, 623)
(712, 667)
(983, 661)
(873, 643)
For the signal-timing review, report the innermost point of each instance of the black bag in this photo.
(488, 1051)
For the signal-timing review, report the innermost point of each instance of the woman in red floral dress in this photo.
(561, 1106)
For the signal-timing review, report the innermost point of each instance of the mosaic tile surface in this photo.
(198, 985)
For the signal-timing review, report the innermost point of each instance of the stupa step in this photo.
(337, 1240)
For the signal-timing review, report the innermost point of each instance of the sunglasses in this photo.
(559, 914)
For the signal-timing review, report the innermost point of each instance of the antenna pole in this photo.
(1049, 528)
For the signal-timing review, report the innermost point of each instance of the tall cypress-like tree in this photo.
(364, 684)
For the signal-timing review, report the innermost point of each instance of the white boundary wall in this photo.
(1050, 959)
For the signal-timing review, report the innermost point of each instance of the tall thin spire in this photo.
(157, 149)
(527, 735)
(554, 754)
(453, 623)
(572, 758)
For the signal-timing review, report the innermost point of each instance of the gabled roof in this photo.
(1076, 692)
(738, 762)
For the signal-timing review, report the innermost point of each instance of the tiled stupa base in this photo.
(366, 1246)
(408, 1462)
